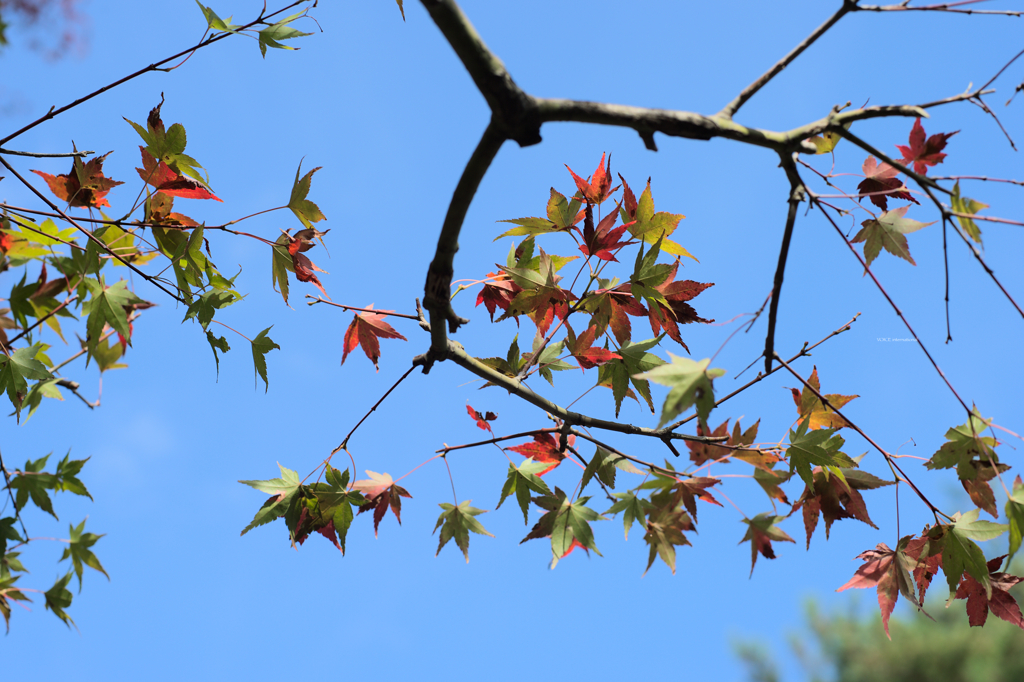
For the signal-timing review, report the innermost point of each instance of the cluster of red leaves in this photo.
(365, 330)
(498, 292)
(544, 448)
(84, 185)
(599, 187)
(880, 181)
(303, 240)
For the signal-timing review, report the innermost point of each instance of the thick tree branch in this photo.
(437, 292)
(513, 111)
(796, 195)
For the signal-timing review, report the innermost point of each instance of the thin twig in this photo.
(39, 155)
(372, 409)
(317, 299)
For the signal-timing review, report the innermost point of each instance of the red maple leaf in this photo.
(835, 499)
(703, 452)
(882, 178)
(498, 292)
(601, 241)
(611, 307)
(169, 181)
(365, 330)
(599, 185)
(924, 153)
(481, 418)
(929, 560)
(381, 492)
(879, 571)
(761, 530)
(1001, 604)
(84, 185)
(544, 448)
(581, 349)
(679, 311)
(542, 305)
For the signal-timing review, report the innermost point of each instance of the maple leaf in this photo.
(761, 530)
(978, 488)
(19, 366)
(925, 555)
(634, 509)
(84, 185)
(79, 552)
(961, 555)
(809, 405)
(675, 491)
(261, 345)
(304, 271)
(329, 512)
(305, 210)
(285, 501)
(648, 225)
(818, 448)
(582, 349)
(879, 571)
(456, 522)
(498, 292)
(690, 383)
(921, 152)
(381, 492)
(549, 360)
(966, 448)
(836, 498)
(770, 480)
(521, 480)
(882, 178)
(611, 308)
(365, 330)
(170, 182)
(997, 599)
(544, 448)
(602, 464)
(600, 242)
(664, 532)
(542, 299)
(597, 188)
(58, 598)
(32, 482)
(566, 523)
(677, 311)
(966, 205)
(702, 452)
(619, 374)
(887, 231)
(481, 418)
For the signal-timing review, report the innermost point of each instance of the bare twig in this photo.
(372, 410)
(39, 155)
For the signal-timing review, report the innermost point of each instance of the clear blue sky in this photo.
(391, 115)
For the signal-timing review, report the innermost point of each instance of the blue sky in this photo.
(390, 114)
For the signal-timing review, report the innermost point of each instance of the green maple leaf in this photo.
(456, 522)
(107, 306)
(8, 532)
(19, 366)
(66, 476)
(965, 443)
(887, 232)
(80, 554)
(521, 480)
(32, 483)
(281, 265)
(272, 35)
(216, 344)
(602, 464)
(335, 503)
(305, 210)
(566, 523)
(634, 510)
(262, 345)
(820, 447)
(664, 532)
(966, 205)
(8, 590)
(204, 307)
(215, 22)
(961, 554)
(285, 500)
(58, 598)
(620, 373)
(690, 383)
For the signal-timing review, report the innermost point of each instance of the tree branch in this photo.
(796, 195)
(730, 109)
